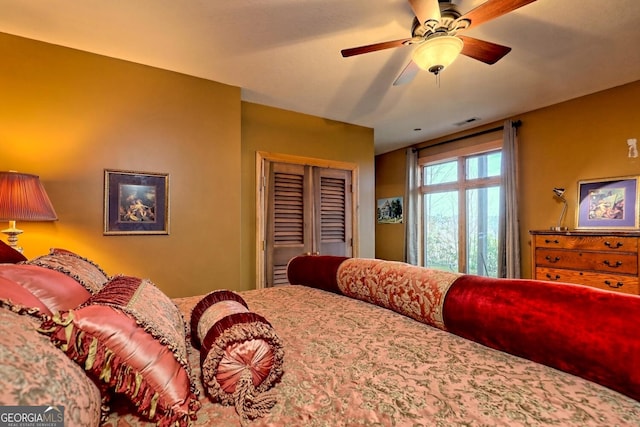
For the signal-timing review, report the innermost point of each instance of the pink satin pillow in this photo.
(131, 339)
(55, 290)
(20, 300)
(240, 354)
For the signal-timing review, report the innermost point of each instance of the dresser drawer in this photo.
(610, 262)
(611, 282)
(605, 260)
(597, 243)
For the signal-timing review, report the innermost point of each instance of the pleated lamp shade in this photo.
(23, 198)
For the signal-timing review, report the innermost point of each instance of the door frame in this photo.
(261, 181)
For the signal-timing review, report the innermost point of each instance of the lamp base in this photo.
(13, 234)
(560, 228)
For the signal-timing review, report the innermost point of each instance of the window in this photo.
(461, 208)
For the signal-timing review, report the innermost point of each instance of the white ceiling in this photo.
(286, 54)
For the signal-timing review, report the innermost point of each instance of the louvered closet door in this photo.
(308, 212)
(289, 212)
(332, 208)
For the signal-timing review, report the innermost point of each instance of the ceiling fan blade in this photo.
(373, 47)
(425, 9)
(407, 74)
(492, 9)
(484, 51)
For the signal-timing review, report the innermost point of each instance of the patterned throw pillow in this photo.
(412, 291)
(34, 372)
(84, 271)
(130, 337)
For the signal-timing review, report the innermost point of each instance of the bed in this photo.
(354, 363)
(349, 361)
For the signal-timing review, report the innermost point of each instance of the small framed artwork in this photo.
(610, 203)
(135, 202)
(390, 210)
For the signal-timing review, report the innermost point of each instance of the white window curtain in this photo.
(509, 238)
(412, 213)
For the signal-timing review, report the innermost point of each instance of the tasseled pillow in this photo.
(240, 353)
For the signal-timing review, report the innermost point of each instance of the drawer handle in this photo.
(551, 277)
(616, 246)
(556, 241)
(552, 260)
(611, 285)
(608, 264)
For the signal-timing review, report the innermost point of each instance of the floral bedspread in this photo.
(351, 363)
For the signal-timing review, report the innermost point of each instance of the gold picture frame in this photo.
(135, 202)
(608, 204)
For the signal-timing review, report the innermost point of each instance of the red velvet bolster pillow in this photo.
(585, 331)
(316, 271)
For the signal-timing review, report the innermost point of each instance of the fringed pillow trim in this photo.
(201, 307)
(114, 372)
(44, 263)
(118, 298)
(250, 401)
(22, 310)
(62, 270)
(224, 319)
(214, 349)
(58, 251)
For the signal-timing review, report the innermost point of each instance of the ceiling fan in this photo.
(435, 30)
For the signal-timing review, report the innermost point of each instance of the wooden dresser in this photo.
(606, 260)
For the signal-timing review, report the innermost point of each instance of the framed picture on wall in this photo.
(610, 203)
(390, 210)
(135, 202)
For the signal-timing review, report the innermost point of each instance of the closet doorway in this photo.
(305, 206)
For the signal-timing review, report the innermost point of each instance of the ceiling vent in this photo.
(468, 121)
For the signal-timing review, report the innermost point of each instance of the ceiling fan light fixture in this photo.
(436, 54)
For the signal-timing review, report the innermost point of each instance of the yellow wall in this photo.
(390, 177)
(285, 132)
(581, 139)
(67, 115)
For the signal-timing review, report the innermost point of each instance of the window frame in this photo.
(461, 186)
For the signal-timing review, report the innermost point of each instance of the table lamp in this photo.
(22, 198)
(559, 193)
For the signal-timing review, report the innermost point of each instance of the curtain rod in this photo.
(515, 124)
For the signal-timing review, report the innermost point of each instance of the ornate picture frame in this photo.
(608, 204)
(135, 202)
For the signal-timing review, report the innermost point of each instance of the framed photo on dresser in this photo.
(610, 203)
